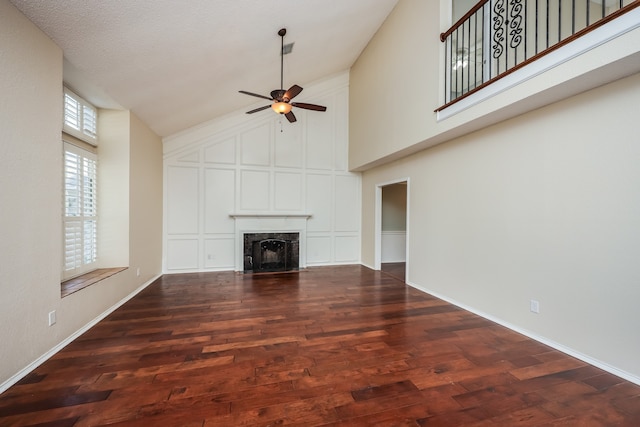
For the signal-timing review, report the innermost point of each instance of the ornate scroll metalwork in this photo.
(497, 36)
(516, 23)
(498, 28)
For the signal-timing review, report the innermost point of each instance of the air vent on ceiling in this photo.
(287, 48)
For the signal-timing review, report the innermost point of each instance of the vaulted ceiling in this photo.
(178, 63)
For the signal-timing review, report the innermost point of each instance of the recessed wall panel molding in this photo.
(219, 253)
(182, 254)
(223, 152)
(256, 145)
(219, 195)
(254, 190)
(319, 202)
(242, 174)
(341, 145)
(347, 203)
(192, 157)
(347, 249)
(288, 191)
(320, 138)
(288, 145)
(182, 200)
(318, 250)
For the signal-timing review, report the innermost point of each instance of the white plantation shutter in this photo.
(80, 118)
(80, 211)
(89, 121)
(72, 165)
(72, 247)
(71, 111)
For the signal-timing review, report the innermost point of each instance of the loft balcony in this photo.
(499, 40)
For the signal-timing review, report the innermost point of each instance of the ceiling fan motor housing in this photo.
(278, 95)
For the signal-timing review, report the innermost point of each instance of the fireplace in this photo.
(287, 226)
(265, 252)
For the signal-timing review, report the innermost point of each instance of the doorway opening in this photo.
(392, 226)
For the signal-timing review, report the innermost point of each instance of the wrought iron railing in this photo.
(497, 37)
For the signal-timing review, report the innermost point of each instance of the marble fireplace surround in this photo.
(269, 223)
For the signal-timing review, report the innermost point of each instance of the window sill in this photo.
(74, 285)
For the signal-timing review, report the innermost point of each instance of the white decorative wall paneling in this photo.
(219, 174)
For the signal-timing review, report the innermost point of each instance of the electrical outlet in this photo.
(138, 272)
(52, 318)
(534, 306)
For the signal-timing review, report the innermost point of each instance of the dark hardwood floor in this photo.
(339, 346)
(396, 269)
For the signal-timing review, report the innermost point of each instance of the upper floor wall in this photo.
(398, 82)
(493, 38)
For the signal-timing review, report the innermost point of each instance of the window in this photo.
(80, 211)
(80, 118)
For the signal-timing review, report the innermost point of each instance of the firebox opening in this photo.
(266, 252)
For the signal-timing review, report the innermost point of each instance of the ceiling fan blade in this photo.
(290, 116)
(292, 92)
(259, 109)
(255, 94)
(306, 106)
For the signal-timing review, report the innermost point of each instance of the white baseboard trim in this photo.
(40, 360)
(564, 349)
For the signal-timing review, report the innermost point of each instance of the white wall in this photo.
(242, 164)
(394, 207)
(31, 205)
(114, 180)
(145, 202)
(393, 246)
(30, 189)
(544, 206)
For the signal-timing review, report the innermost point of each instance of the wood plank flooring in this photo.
(396, 269)
(329, 346)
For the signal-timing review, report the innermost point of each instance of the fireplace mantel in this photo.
(269, 222)
(270, 215)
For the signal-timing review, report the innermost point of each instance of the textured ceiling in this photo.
(178, 63)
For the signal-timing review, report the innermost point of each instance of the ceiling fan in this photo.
(282, 98)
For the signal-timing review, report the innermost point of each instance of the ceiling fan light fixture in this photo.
(281, 107)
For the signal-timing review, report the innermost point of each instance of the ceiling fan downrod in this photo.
(282, 33)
